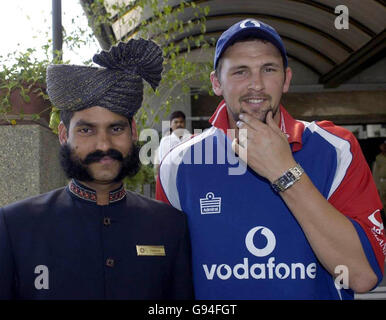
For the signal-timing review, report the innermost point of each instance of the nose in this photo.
(103, 142)
(256, 82)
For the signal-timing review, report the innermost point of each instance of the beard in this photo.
(76, 168)
(261, 113)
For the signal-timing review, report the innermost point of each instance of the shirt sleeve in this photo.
(164, 147)
(159, 191)
(357, 198)
(7, 269)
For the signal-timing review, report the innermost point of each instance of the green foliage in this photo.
(144, 176)
(54, 120)
(26, 70)
(23, 71)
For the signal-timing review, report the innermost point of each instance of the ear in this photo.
(62, 133)
(134, 133)
(288, 77)
(216, 85)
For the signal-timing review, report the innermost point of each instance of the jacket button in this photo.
(110, 262)
(106, 221)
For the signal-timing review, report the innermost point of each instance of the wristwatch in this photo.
(287, 179)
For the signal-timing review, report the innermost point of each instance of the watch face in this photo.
(285, 181)
(288, 179)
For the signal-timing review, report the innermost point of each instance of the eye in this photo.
(84, 130)
(269, 69)
(239, 72)
(117, 129)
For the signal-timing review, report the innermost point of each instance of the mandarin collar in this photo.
(86, 193)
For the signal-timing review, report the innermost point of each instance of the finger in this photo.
(239, 150)
(251, 121)
(272, 124)
(246, 132)
(244, 123)
(270, 121)
(235, 146)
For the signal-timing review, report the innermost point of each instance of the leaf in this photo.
(25, 96)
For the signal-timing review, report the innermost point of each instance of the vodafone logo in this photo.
(378, 229)
(269, 247)
(259, 269)
(378, 224)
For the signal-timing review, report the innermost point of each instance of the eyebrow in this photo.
(271, 64)
(268, 64)
(119, 123)
(92, 125)
(238, 67)
(81, 122)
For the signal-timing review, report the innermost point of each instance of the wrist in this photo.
(288, 179)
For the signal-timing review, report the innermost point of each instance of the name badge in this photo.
(150, 250)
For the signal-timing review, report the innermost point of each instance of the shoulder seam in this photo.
(343, 153)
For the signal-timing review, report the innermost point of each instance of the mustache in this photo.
(98, 155)
(74, 168)
(250, 95)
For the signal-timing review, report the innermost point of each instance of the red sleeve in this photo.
(159, 191)
(357, 197)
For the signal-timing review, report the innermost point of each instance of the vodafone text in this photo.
(270, 270)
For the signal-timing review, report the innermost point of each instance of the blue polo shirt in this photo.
(246, 244)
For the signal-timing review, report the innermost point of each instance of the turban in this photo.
(117, 85)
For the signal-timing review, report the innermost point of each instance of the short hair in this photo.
(177, 114)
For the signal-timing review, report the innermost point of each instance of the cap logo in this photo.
(254, 22)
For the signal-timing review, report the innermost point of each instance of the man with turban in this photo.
(93, 239)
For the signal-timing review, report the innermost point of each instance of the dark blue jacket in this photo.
(62, 245)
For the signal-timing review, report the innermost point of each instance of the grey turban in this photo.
(117, 86)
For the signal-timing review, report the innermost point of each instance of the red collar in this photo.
(291, 127)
